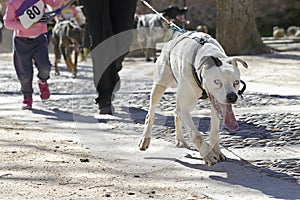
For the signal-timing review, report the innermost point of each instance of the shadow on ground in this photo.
(243, 173)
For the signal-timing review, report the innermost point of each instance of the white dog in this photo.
(198, 65)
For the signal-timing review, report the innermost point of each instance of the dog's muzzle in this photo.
(231, 97)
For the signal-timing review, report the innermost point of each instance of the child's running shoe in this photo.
(27, 103)
(44, 90)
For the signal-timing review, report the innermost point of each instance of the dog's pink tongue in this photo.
(229, 118)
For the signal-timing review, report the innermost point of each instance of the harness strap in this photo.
(199, 82)
(197, 78)
(180, 38)
(49, 16)
(201, 41)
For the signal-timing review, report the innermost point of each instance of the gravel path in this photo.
(269, 132)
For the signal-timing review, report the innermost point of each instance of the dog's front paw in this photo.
(220, 155)
(144, 143)
(56, 73)
(182, 143)
(210, 158)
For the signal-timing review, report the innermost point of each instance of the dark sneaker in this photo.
(27, 103)
(104, 104)
(106, 109)
(44, 90)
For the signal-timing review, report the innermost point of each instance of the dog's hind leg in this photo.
(56, 54)
(180, 141)
(74, 70)
(156, 94)
(67, 54)
(214, 134)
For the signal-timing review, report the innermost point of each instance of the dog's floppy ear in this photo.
(217, 61)
(234, 62)
(210, 61)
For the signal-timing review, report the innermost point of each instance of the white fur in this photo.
(174, 67)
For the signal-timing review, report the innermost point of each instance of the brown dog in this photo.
(67, 38)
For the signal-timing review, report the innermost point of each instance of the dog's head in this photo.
(75, 34)
(68, 32)
(175, 13)
(221, 80)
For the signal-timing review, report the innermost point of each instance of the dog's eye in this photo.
(217, 82)
(236, 83)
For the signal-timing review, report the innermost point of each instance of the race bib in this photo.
(30, 11)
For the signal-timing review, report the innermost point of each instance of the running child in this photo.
(30, 44)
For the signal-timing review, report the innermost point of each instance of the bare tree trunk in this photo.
(236, 28)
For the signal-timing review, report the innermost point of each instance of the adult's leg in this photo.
(106, 18)
(122, 20)
(99, 27)
(122, 15)
(99, 23)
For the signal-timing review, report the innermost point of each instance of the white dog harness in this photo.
(201, 41)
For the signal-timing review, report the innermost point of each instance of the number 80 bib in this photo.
(30, 11)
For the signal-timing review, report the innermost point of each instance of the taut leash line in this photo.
(172, 25)
(49, 16)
